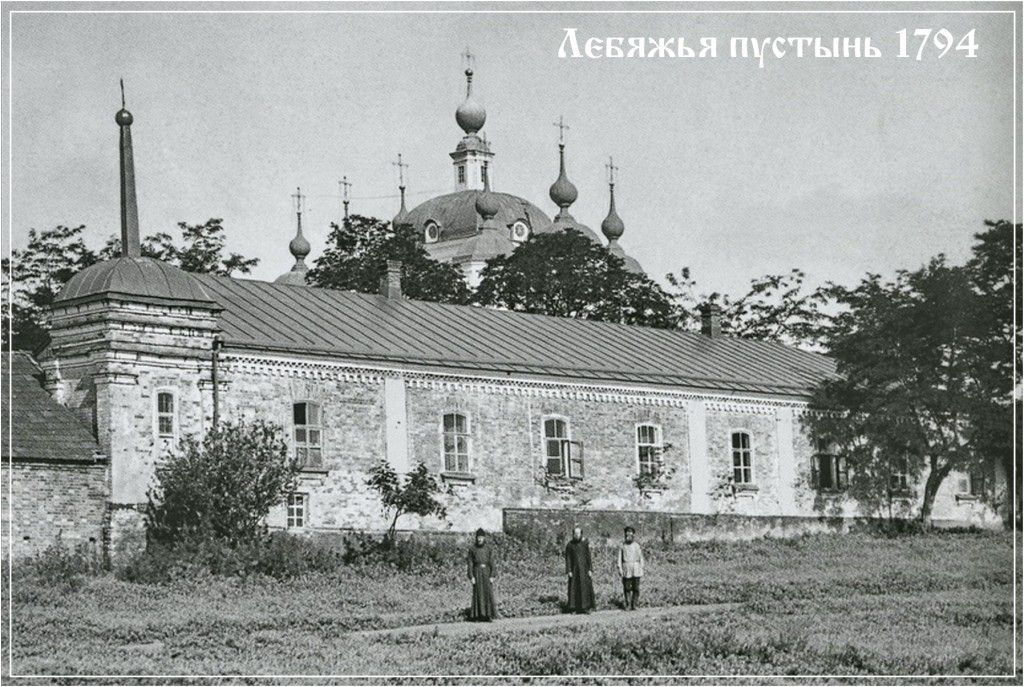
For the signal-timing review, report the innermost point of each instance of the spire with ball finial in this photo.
(470, 115)
(130, 245)
(402, 218)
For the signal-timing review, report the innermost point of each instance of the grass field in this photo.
(936, 604)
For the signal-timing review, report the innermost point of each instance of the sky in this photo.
(835, 166)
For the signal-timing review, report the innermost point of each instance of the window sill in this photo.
(458, 477)
(831, 491)
(906, 494)
(313, 471)
(740, 488)
(970, 498)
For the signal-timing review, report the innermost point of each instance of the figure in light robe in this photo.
(481, 574)
(631, 569)
(580, 573)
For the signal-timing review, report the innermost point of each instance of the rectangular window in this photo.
(649, 449)
(977, 480)
(165, 414)
(483, 174)
(296, 510)
(562, 456)
(456, 443)
(829, 468)
(462, 174)
(899, 481)
(742, 465)
(308, 434)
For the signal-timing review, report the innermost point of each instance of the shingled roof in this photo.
(40, 428)
(355, 326)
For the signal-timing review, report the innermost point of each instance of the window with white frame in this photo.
(829, 468)
(462, 174)
(742, 459)
(649, 449)
(455, 431)
(297, 506)
(165, 414)
(308, 434)
(563, 457)
(899, 477)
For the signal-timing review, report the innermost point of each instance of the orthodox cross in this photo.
(562, 128)
(468, 58)
(299, 200)
(402, 166)
(612, 169)
(122, 94)
(343, 187)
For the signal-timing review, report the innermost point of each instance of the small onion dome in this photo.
(299, 247)
(612, 226)
(470, 115)
(563, 192)
(123, 117)
(402, 218)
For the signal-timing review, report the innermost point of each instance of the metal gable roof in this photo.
(41, 429)
(360, 326)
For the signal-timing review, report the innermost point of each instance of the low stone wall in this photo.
(53, 502)
(545, 526)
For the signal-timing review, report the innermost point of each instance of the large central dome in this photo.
(455, 216)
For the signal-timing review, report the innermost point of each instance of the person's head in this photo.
(628, 534)
(481, 536)
(577, 533)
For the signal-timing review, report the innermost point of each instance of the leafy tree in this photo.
(905, 381)
(567, 275)
(776, 307)
(416, 495)
(220, 487)
(34, 275)
(356, 260)
(993, 278)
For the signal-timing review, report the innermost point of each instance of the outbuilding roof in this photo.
(271, 317)
(40, 428)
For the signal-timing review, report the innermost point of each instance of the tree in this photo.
(356, 260)
(901, 403)
(993, 278)
(34, 275)
(776, 307)
(417, 495)
(567, 275)
(221, 487)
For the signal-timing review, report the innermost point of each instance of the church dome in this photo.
(456, 216)
(145, 278)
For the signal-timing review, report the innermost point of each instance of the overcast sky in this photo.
(835, 166)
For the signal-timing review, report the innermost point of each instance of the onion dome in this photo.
(470, 115)
(140, 279)
(563, 192)
(299, 248)
(402, 218)
(487, 206)
(612, 226)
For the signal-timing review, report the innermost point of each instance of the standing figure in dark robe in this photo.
(578, 570)
(481, 574)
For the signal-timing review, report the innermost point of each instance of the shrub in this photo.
(60, 568)
(416, 495)
(221, 488)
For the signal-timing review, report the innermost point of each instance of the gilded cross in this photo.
(562, 128)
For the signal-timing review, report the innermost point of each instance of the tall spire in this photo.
(470, 115)
(130, 246)
(402, 218)
(612, 226)
(298, 247)
(563, 192)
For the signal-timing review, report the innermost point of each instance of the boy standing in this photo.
(631, 569)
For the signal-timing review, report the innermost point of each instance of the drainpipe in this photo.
(215, 377)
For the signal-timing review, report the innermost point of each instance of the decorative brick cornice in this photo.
(440, 381)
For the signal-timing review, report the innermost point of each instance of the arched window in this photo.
(649, 449)
(455, 436)
(308, 434)
(742, 458)
(166, 417)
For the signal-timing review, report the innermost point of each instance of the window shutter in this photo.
(843, 472)
(575, 454)
(815, 482)
(964, 486)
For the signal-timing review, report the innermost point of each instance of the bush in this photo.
(278, 555)
(60, 568)
(220, 489)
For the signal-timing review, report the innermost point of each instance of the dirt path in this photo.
(540, 622)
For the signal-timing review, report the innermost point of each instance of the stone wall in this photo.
(53, 502)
